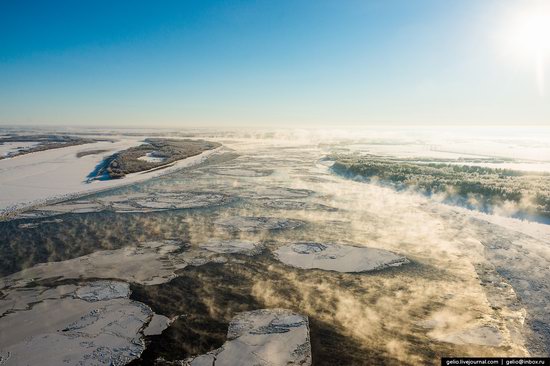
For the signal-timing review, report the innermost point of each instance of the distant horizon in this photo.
(503, 127)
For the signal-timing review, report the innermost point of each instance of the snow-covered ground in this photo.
(41, 176)
(8, 148)
(509, 149)
(152, 157)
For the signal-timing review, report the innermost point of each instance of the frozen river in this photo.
(369, 272)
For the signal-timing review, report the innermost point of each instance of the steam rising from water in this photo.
(458, 296)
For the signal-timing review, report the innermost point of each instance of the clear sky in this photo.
(264, 63)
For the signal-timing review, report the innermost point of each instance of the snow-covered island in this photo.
(72, 169)
(153, 154)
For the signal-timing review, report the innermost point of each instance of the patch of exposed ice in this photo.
(267, 337)
(157, 325)
(147, 263)
(98, 325)
(22, 298)
(181, 200)
(257, 223)
(337, 257)
(103, 290)
(153, 157)
(137, 202)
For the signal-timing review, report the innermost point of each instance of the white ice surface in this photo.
(148, 263)
(152, 158)
(41, 176)
(10, 147)
(267, 337)
(337, 257)
(97, 325)
(157, 325)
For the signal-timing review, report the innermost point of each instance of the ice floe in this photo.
(147, 263)
(22, 298)
(97, 324)
(262, 337)
(103, 290)
(337, 257)
(134, 202)
(180, 200)
(157, 325)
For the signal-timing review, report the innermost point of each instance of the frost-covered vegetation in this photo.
(128, 161)
(41, 142)
(504, 191)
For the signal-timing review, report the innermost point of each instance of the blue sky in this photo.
(264, 63)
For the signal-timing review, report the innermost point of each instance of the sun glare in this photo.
(532, 31)
(527, 35)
